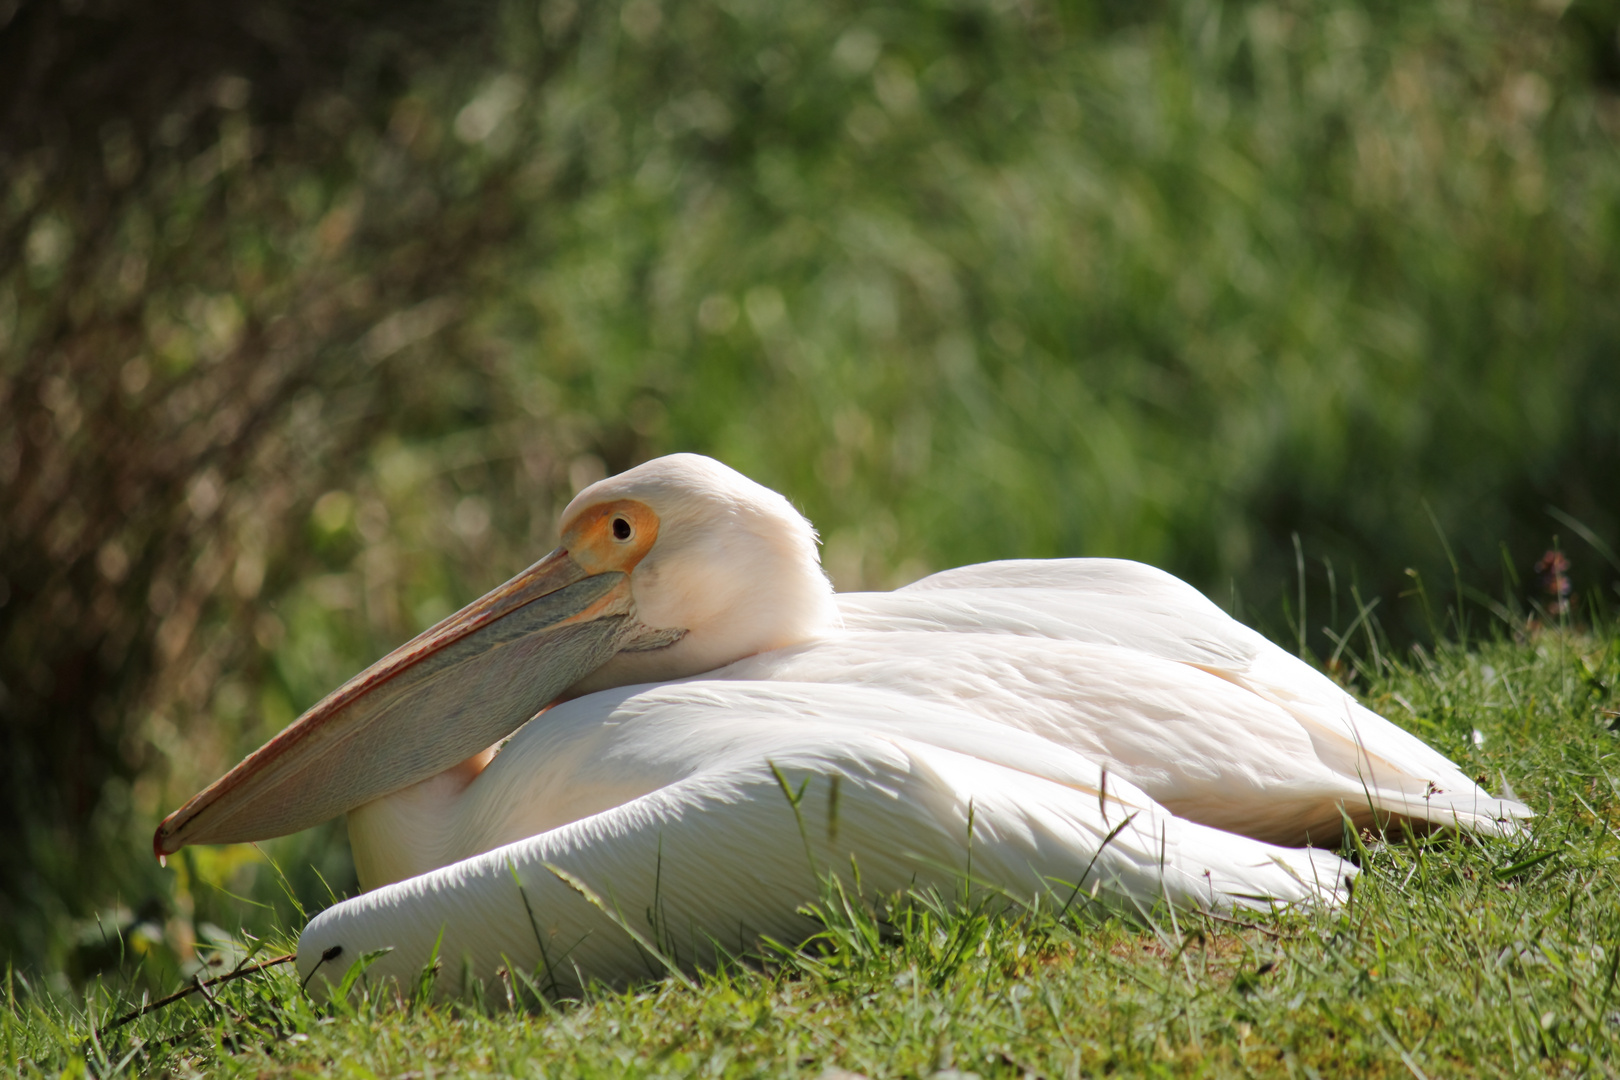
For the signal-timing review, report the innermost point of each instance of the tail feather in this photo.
(1472, 811)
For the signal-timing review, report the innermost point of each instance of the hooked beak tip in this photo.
(160, 840)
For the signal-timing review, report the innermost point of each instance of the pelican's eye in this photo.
(621, 529)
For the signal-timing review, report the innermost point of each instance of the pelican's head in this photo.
(675, 567)
(719, 567)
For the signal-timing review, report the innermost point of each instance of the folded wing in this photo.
(716, 855)
(1273, 760)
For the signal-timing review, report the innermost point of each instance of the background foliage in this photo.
(311, 316)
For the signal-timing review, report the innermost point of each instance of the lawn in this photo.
(1455, 957)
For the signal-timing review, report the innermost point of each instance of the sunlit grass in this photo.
(1455, 957)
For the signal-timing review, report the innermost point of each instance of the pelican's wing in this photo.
(1135, 607)
(1106, 601)
(715, 855)
(1104, 577)
(1202, 746)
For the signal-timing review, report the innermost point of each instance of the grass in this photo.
(1455, 957)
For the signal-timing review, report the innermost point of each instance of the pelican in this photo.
(705, 731)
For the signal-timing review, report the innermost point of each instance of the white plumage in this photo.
(1038, 729)
(712, 845)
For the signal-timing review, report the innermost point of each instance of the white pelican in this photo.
(716, 728)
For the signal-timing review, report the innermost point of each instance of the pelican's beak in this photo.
(437, 700)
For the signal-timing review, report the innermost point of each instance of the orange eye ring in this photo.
(613, 536)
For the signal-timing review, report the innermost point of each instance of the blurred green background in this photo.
(312, 317)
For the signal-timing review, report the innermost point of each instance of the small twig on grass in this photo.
(199, 985)
(1240, 924)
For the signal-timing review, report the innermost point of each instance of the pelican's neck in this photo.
(734, 568)
(740, 594)
(411, 831)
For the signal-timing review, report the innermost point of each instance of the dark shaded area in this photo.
(1595, 26)
(119, 472)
